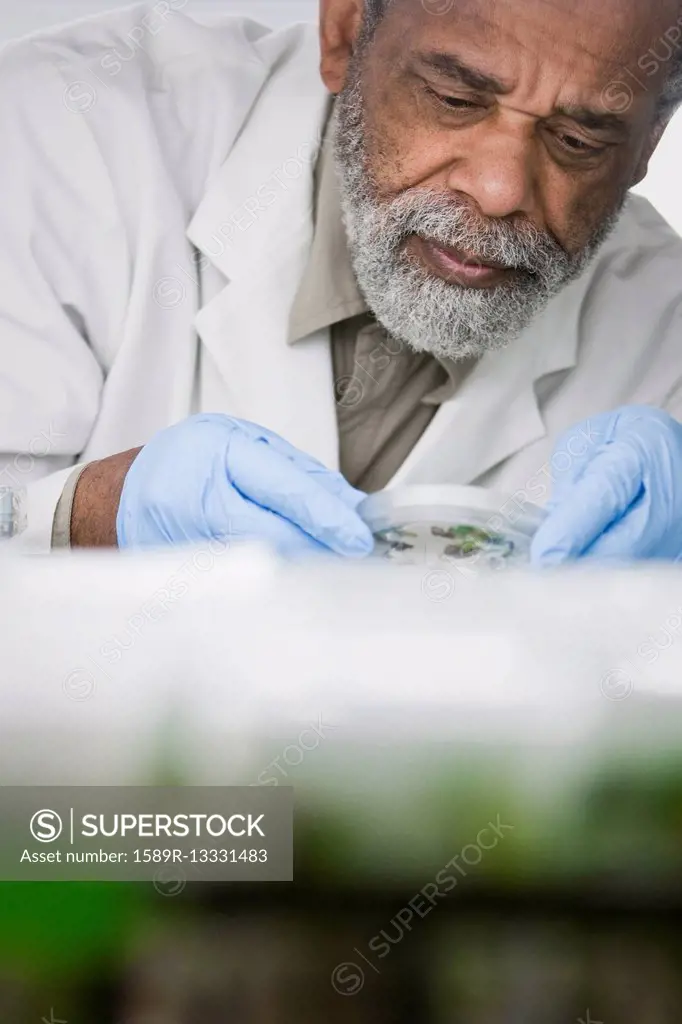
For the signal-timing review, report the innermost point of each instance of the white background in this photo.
(17, 17)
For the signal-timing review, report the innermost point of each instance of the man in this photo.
(225, 280)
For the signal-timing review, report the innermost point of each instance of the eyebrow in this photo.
(597, 119)
(452, 67)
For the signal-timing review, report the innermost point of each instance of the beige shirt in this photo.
(386, 394)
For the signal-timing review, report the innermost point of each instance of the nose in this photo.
(497, 171)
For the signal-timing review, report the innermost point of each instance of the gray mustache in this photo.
(525, 247)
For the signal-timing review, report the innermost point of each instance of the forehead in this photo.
(590, 37)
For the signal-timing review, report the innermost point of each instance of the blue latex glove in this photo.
(213, 476)
(621, 497)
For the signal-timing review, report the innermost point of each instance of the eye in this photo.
(579, 146)
(452, 102)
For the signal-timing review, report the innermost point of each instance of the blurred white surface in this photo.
(105, 658)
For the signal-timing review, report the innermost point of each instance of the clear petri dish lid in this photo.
(449, 503)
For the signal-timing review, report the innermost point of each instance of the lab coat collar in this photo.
(257, 207)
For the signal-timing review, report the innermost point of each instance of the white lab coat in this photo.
(155, 198)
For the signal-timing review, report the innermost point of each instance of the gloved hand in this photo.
(213, 476)
(621, 498)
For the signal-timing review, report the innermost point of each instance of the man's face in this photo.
(481, 161)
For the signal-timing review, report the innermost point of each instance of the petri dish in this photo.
(434, 524)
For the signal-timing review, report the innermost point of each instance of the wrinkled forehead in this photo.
(608, 31)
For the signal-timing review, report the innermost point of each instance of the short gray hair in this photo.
(669, 101)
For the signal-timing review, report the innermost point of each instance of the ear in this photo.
(649, 149)
(340, 24)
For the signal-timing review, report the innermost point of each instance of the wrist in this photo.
(96, 501)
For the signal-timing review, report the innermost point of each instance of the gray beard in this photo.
(426, 312)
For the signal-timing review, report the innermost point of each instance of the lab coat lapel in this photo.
(255, 225)
(496, 413)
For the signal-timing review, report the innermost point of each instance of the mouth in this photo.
(457, 266)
